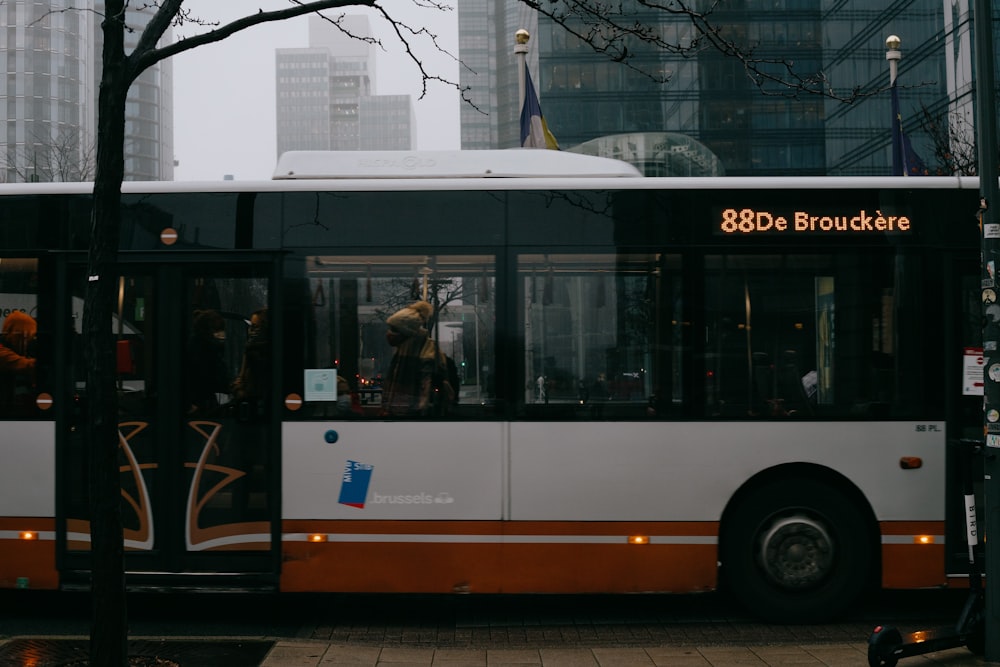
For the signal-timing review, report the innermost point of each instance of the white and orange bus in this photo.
(663, 385)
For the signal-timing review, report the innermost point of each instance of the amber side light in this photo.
(923, 539)
(638, 539)
(317, 537)
(911, 462)
(29, 535)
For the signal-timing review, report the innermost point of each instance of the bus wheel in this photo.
(796, 551)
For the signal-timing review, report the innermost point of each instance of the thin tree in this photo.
(954, 140)
(68, 156)
(109, 630)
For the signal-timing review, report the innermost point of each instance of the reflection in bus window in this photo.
(603, 335)
(350, 299)
(791, 336)
(18, 337)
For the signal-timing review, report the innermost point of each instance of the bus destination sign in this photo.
(748, 221)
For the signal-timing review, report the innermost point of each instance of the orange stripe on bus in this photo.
(912, 527)
(28, 563)
(373, 527)
(491, 568)
(913, 566)
(27, 523)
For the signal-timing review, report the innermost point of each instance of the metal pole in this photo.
(986, 141)
(521, 38)
(893, 55)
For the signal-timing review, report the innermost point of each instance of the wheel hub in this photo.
(796, 552)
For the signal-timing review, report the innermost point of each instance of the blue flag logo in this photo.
(354, 484)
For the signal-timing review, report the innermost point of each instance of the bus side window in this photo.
(799, 336)
(351, 300)
(602, 335)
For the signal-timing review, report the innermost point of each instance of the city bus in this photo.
(660, 385)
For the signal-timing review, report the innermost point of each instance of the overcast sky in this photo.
(224, 107)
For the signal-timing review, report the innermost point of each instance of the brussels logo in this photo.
(354, 484)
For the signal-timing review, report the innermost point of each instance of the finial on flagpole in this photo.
(893, 55)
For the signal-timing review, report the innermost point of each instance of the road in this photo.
(473, 621)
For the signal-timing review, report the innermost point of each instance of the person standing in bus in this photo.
(410, 385)
(17, 362)
(251, 385)
(207, 376)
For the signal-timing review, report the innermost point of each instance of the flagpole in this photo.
(893, 55)
(521, 38)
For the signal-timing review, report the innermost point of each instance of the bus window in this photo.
(350, 299)
(602, 335)
(792, 336)
(18, 337)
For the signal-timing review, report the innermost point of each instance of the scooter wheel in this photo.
(881, 638)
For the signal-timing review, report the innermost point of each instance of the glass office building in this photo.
(51, 54)
(48, 91)
(149, 107)
(837, 123)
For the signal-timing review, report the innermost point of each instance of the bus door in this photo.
(197, 439)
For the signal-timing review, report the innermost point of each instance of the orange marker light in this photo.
(911, 462)
(638, 539)
(317, 537)
(923, 539)
(29, 535)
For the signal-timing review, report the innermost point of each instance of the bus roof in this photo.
(509, 163)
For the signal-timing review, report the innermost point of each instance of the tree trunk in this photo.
(109, 621)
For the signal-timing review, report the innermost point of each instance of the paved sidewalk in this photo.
(309, 653)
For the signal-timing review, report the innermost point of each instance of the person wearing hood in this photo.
(409, 384)
(19, 330)
(17, 365)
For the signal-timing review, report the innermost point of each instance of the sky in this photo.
(224, 105)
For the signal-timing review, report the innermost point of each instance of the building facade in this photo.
(149, 108)
(48, 93)
(486, 41)
(325, 95)
(835, 122)
(52, 55)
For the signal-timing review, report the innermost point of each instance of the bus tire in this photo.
(796, 551)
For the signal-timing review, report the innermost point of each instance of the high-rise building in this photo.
(52, 56)
(934, 79)
(324, 94)
(486, 40)
(149, 107)
(752, 128)
(48, 92)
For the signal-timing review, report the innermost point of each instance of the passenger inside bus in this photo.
(17, 362)
(417, 382)
(251, 385)
(208, 377)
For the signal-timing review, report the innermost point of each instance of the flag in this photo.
(534, 132)
(905, 161)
